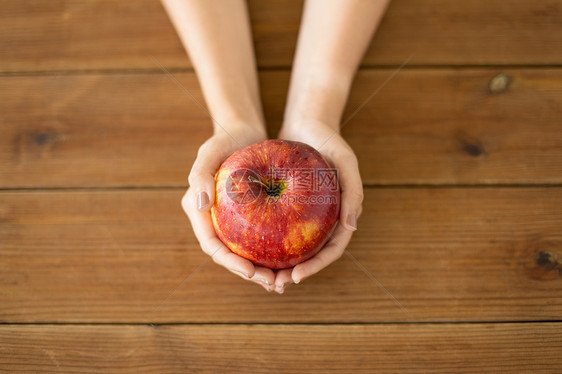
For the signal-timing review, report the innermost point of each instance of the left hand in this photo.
(335, 149)
(202, 183)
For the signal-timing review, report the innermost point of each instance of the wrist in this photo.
(248, 128)
(306, 124)
(317, 100)
(237, 115)
(312, 132)
(233, 104)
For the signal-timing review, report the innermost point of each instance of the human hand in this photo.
(200, 197)
(337, 152)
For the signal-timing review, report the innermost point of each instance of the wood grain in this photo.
(59, 35)
(447, 254)
(425, 126)
(483, 348)
(90, 270)
(99, 130)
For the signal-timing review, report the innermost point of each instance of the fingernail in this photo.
(202, 200)
(281, 289)
(352, 221)
(262, 281)
(243, 275)
(300, 280)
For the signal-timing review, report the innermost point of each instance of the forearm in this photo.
(218, 40)
(333, 38)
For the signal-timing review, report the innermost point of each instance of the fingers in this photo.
(201, 195)
(283, 278)
(330, 253)
(352, 190)
(197, 202)
(264, 277)
(202, 176)
(211, 244)
(351, 207)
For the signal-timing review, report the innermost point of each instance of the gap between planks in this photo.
(382, 323)
(176, 70)
(366, 186)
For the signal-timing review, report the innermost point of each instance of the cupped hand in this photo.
(200, 197)
(335, 149)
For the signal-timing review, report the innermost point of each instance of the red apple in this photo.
(277, 203)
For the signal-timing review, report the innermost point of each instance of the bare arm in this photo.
(217, 37)
(216, 34)
(333, 38)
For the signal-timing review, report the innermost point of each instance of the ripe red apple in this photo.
(277, 203)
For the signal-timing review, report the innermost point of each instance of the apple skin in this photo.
(266, 209)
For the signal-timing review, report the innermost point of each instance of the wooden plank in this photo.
(99, 130)
(102, 34)
(483, 348)
(446, 127)
(424, 127)
(460, 254)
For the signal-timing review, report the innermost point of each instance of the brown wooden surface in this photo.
(482, 348)
(424, 127)
(96, 144)
(438, 32)
(461, 254)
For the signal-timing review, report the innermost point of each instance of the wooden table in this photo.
(461, 155)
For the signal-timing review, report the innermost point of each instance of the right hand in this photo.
(335, 149)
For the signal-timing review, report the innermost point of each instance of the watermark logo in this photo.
(305, 185)
(300, 199)
(307, 179)
(241, 186)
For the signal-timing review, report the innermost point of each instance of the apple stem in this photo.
(274, 189)
(252, 179)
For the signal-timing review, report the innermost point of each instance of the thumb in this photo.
(202, 176)
(352, 192)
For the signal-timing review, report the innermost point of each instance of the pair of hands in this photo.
(200, 197)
